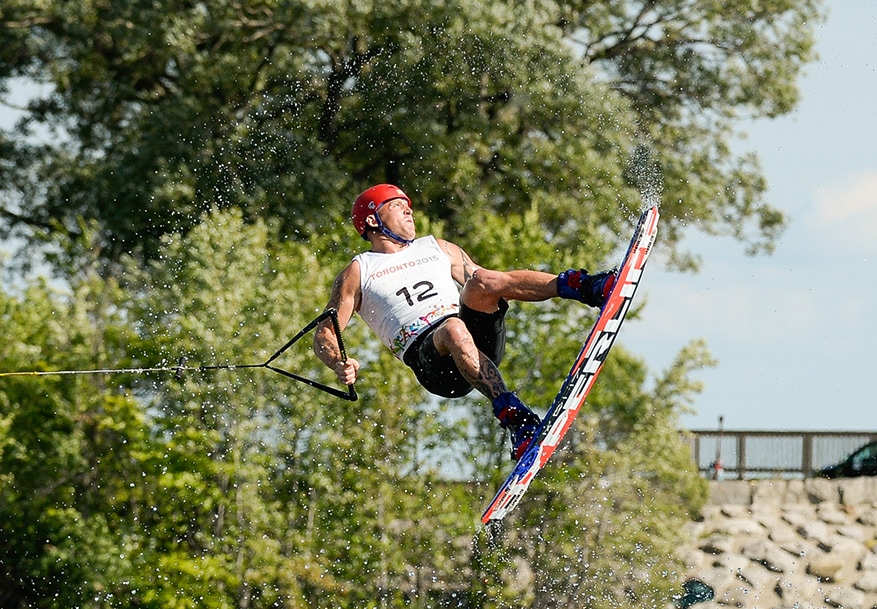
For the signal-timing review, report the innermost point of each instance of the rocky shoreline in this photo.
(784, 544)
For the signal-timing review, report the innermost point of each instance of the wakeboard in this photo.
(583, 373)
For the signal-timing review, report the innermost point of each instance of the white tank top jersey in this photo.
(405, 292)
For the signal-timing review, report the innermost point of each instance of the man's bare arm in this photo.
(462, 266)
(345, 298)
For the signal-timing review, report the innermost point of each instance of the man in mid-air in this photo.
(408, 291)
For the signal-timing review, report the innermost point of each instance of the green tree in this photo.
(161, 110)
(69, 448)
(234, 488)
(239, 488)
(219, 296)
(275, 491)
(601, 526)
(207, 154)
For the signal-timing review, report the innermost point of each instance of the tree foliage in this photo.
(188, 166)
(241, 489)
(162, 110)
(605, 521)
(68, 449)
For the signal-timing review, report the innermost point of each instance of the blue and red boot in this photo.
(518, 419)
(592, 290)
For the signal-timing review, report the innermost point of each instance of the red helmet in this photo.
(370, 201)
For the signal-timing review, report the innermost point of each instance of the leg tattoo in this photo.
(481, 374)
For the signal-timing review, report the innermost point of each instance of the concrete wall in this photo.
(788, 544)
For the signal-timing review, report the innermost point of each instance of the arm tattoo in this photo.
(325, 342)
(335, 297)
(469, 267)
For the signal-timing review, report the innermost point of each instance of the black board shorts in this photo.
(438, 373)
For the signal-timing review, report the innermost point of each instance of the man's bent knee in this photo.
(451, 336)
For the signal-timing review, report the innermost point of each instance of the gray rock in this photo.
(693, 559)
(867, 582)
(711, 511)
(794, 589)
(718, 578)
(739, 526)
(854, 532)
(758, 577)
(831, 513)
(868, 518)
(812, 548)
(744, 595)
(825, 568)
(857, 491)
(730, 492)
(816, 530)
(735, 511)
(732, 563)
(845, 598)
(717, 544)
(798, 548)
(868, 562)
(820, 489)
(769, 493)
(795, 492)
(769, 555)
(848, 549)
(782, 535)
(798, 515)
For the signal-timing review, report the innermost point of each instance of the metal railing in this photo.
(722, 454)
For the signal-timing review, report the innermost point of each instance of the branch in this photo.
(342, 70)
(28, 221)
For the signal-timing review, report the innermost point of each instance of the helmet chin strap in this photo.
(386, 231)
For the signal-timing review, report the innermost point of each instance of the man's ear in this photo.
(371, 221)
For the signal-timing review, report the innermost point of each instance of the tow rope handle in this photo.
(350, 394)
(180, 369)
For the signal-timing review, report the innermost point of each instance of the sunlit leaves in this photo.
(285, 111)
(190, 167)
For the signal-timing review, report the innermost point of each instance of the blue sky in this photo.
(795, 332)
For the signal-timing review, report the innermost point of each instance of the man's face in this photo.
(397, 216)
